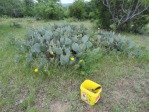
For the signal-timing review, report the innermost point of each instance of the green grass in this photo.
(124, 80)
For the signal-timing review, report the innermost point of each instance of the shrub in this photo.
(11, 8)
(69, 19)
(77, 10)
(28, 7)
(107, 19)
(138, 24)
(5, 16)
(50, 10)
(101, 15)
(15, 24)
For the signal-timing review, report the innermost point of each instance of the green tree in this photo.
(50, 10)
(90, 11)
(77, 9)
(29, 7)
(48, 1)
(137, 24)
(101, 14)
(12, 8)
(125, 15)
(122, 11)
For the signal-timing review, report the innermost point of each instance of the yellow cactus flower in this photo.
(72, 58)
(81, 61)
(52, 52)
(36, 70)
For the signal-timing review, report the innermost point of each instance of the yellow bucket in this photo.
(90, 92)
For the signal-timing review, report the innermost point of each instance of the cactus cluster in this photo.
(62, 44)
(111, 41)
(67, 44)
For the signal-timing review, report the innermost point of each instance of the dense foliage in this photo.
(48, 0)
(103, 17)
(50, 10)
(137, 24)
(47, 9)
(28, 7)
(124, 15)
(12, 8)
(129, 15)
(77, 10)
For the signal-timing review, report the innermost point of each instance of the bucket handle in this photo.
(97, 88)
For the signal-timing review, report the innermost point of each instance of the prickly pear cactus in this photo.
(121, 44)
(61, 44)
(67, 44)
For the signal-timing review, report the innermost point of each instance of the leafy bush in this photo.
(5, 16)
(105, 19)
(50, 10)
(28, 7)
(100, 14)
(11, 8)
(15, 24)
(66, 12)
(138, 24)
(69, 19)
(77, 9)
